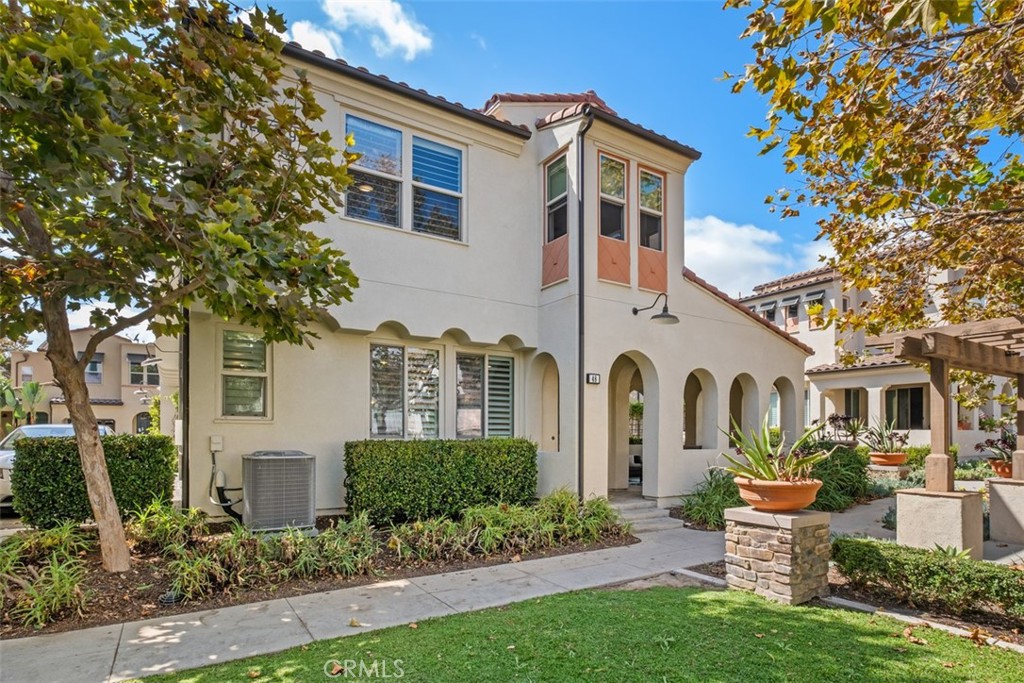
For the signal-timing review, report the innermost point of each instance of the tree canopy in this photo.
(158, 154)
(904, 119)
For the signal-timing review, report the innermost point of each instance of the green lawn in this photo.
(662, 634)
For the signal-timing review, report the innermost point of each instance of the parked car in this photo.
(28, 432)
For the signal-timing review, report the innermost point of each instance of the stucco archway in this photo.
(632, 372)
(700, 410)
(546, 417)
(743, 404)
(786, 416)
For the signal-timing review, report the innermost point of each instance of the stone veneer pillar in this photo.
(781, 556)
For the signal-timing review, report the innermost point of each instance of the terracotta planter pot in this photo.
(888, 459)
(778, 496)
(1002, 468)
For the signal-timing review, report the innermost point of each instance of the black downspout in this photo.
(184, 351)
(581, 249)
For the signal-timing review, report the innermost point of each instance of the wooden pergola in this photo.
(992, 347)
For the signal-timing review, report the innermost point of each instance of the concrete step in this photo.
(639, 515)
(638, 504)
(648, 526)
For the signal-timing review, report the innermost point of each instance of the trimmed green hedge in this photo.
(930, 578)
(394, 481)
(49, 487)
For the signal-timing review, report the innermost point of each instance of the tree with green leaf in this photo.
(156, 155)
(904, 119)
(32, 397)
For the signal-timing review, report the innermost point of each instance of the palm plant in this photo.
(33, 397)
(769, 460)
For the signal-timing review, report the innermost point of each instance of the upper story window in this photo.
(613, 197)
(93, 369)
(245, 374)
(141, 373)
(652, 191)
(556, 197)
(383, 179)
(26, 373)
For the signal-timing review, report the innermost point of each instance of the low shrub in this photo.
(395, 481)
(844, 480)
(707, 504)
(887, 486)
(49, 593)
(159, 526)
(974, 470)
(917, 454)
(49, 488)
(926, 578)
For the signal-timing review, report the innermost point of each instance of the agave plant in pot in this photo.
(770, 477)
(886, 444)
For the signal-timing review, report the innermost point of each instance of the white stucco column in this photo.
(874, 414)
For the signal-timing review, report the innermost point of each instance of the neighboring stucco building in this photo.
(877, 386)
(474, 234)
(121, 381)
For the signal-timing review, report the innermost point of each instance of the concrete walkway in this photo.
(184, 641)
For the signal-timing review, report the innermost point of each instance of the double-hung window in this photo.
(384, 179)
(484, 396)
(556, 196)
(375, 194)
(613, 197)
(652, 191)
(245, 374)
(404, 391)
(437, 189)
(93, 369)
(138, 373)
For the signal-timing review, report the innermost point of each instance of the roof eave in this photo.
(301, 54)
(629, 127)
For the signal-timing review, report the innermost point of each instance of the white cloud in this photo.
(734, 257)
(312, 37)
(392, 28)
(479, 40)
(812, 254)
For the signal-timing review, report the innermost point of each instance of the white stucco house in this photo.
(501, 253)
(877, 386)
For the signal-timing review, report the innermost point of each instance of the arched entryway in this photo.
(785, 408)
(632, 462)
(743, 406)
(700, 410)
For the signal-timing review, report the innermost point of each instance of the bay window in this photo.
(652, 189)
(556, 197)
(613, 198)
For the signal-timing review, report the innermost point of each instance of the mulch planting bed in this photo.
(677, 513)
(989, 624)
(134, 595)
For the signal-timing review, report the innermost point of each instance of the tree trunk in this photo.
(70, 375)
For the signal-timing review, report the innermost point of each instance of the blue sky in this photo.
(656, 63)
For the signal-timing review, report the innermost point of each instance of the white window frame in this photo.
(395, 343)
(25, 374)
(407, 183)
(650, 212)
(485, 407)
(94, 367)
(552, 203)
(622, 201)
(268, 397)
(146, 370)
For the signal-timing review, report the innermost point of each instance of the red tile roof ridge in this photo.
(821, 270)
(587, 97)
(880, 360)
(715, 291)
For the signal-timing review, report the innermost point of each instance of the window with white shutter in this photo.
(245, 374)
(404, 392)
(499, 396)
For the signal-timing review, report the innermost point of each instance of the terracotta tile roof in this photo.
(820, 274)
(94, 401)
(318, 58)
(882, 360)
(588, 97)
(704, 284)
(582, 108)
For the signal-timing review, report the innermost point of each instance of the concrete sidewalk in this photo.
(184, 641)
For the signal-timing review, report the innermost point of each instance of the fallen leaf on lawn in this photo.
(759, 635)
(305, 647)
(337, 669)
(978, 636)
(901, 649)
(254, 673)
(414, 625)
(949, 665)
(354, 622)
(517, 558)
(917, 641)
(511, 647)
